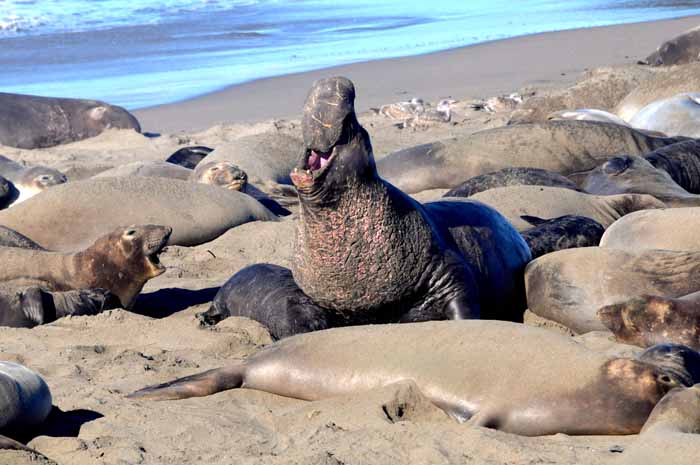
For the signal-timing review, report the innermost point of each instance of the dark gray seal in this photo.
(510, 177)
(189, 157)
(30, 122)
(681, 161)
(682, 49)
(564, 232)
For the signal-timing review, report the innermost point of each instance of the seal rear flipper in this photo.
(37, 306)
(199, 385)
(83, 302)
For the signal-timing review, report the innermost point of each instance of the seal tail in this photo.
(199, 385)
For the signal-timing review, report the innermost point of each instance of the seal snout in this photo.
(156, 240)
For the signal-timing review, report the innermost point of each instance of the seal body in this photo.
(675, 116)
(154, 169)
(564, 232)
(29, 121)
(588, 114)
(11, 238)
(681, 161)
(668, 229)
(25, 399)
(510, 177)
(682, 49)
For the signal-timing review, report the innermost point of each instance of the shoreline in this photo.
(545, 59)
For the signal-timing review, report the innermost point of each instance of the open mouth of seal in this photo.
(156, 246)
(315, 165)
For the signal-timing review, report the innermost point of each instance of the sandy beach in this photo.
(92, 363)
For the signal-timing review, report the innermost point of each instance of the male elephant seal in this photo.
(495, 374)
(370, 253)
(25, 401)
(510, 177)
(121, 262)
(675, 116)
(682, 49)
(29, 180)
(564, 232)
(569, 286)
(560, 146)
(29, 121)
(668, 229)
(651, 319)
(681, 161)
(29, 307)
(189, 157)
(549, 202)
(71, 216)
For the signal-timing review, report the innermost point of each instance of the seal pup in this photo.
(668, 229)
(494, 374)
(550, 202)
(29, 180)
(675, 116)
(189, 157)
(569, 286)
(268, 294)
(560, 146)
(510, 177)
(682, 49)
(34, 306)
(25, 401)
(122, 262)
(371, 253)
(30, 122)
(651, 319)
(681, 161)
(72, 216)
(564, 232)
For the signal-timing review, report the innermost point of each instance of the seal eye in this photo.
(130, 233)
(214, 168)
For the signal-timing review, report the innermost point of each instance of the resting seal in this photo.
(564, 232)
(153, 169)
(494, 374)
(588, 114)
(682, 49)
(510, 177)
(668, 229)
(675, 116)
(681, 161)
(369, 252)
(29, 180)
(121, 262)
(30, 122)
(651, 319)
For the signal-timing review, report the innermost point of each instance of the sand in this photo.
(91, 363)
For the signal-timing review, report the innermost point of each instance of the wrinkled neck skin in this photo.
(96, 270)
(364, 245)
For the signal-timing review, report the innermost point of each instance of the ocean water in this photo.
(142, 53)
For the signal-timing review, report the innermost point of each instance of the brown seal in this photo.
(682, 49)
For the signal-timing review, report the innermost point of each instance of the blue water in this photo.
(143, 53)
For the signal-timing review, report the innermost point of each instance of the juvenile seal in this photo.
(120, 262)
(371, 253)
(510, 177)
(25, 400)
(268, 294)
(675, 116)
(30, 122)
(550, 202)
(564, 232)
(29, 180)
(668, 229)
(189, 157)
(681, 161)
(651, 319)
(72, 216)
(588, 114)
(682, 49)
(560, 146)
(495, 374)
(569, 286)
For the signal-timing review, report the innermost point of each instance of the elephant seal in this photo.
(569, 286)
(25, 399)
(34, 306)
(494, 374)
(550, 202)
(668, 229)
(29, 180)
(268, 294)
(682, 49)
(564, 232)
(267, 158)
(30, 122)
(8, 193)
(560, 146)
(510, 177)
(651, 319)
(630, 174)
(196, 212)
(153, 169)
(681, 79)
(588, 114)
(121, 261)
(189, 157)
(11, 238)
(371, 253)
(675, 116)
(681, 161)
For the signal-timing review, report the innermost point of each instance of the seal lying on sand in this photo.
(560, 146)
(121, 262)
(669, 229)
(682, 49)
(153, 169)
(72, 216)
(34, 306)
(7, 193)
(588, 114)
(11, 238)
(29, 180)
(681, 161)
(564, 232)
(494, 374)
(550, 202)
(650, 319)
(569, 286)
(370, 253)
(675, 116)
(189, 157)
(25, 401)
(30, 122)
(510, 177)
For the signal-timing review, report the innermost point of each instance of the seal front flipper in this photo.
(199, 385)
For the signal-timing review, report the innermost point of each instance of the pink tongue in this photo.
(314, 161)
